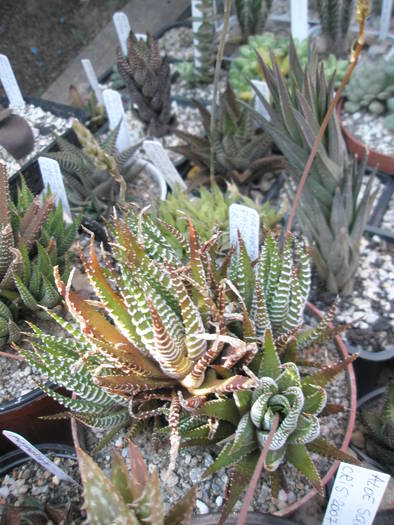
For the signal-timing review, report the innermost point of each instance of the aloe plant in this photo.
(333, 210)
(33, 239)
(129, 498)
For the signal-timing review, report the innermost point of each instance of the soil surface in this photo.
(40, 37)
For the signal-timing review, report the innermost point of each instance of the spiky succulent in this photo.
(96, 176)
(271, 304)
(380, 429)
(335, 17)
(240, 152)
(203, 41)
(332, 210)
(155, 355)
(129, 498)
(210, 210)
(147, 77)
(33, 239)
(252, 16)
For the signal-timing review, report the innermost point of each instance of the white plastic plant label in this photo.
(196, 13)
(122, 26)
(10, 84)
(355, 496)
(53, 179)
(247, 221)
(299, 19)
(93, 81)
(115, 111)
(159, 158)
(38, 456)
(262, 87)
(385, 18)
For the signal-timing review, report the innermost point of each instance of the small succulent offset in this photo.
(241, 153)
(129, 498)
(335, 17)
(371, 88)
(96, 111)
(252, 16)
(380, 430)
(33, 512)
(332, 210)
(155, 356)
(33, 239)
(147, 77)
(272, 305)
(210, 210)
(204, 38)
(96, 176)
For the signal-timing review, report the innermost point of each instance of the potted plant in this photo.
(34, 238)
(367, 114)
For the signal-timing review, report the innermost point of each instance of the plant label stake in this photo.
(92, 77)
(53, 179)
(196, 14)
(160, 159)
(385, 18)
(247, 221)
(38, 456)
(299, 19)
(122, 26)
(10, 84)
(114, 108)
(258, 105)
(356, 495)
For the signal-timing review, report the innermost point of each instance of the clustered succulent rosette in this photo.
(213, 347)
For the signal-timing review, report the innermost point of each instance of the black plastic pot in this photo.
(368, 366)
(22, 416)
(15, 458)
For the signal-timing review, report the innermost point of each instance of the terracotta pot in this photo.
(382, 161)
(78, 438)
(22, 416)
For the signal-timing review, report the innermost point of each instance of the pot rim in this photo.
(376, 159)
(382, 355)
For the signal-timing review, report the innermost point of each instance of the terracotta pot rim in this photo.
(376, 159)
(346, 440)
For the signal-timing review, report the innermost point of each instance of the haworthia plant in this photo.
(241, 153)
(33, 239)
(252, 16)
(333, 209)
(204, 40)
(335, 17)
(96, 176)
(129, 498)
(147, 76)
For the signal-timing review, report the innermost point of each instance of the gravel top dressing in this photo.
(43, 124)
(370, 130)
(30, 480)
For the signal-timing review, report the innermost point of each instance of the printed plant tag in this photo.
(262, 87)
(38, 456)
(159, 158)
(93, 81)
(53, 179)
(385, 18)
(355, 496)
(299, 19)
(122, 26)
(247, 221)
(196, 13)
(114, 107)
(10, 84)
